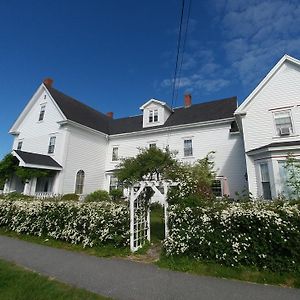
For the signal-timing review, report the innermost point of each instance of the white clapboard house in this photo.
(84, 146)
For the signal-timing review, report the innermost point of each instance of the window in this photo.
(113, 184)
(265, 181)
(283, 122)
(115, 154)
(150, 116)
(153, 115)
(188, 147)
(79, 182)
(51, 144)
(217, 188)
(20, 143)
(152, 145)
(42, 113)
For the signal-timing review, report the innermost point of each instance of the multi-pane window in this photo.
(20, 143)
(153, 116)
(152, 145)
(283, 122)
(188, 147)
(79, 182)
(113, 184)
(115, 154)
(51, 144)
(265, 181)
(42, 113)
(217, 188)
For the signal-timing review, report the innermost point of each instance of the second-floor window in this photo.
(188, 147)
(20, 144)
(51, 146)
(115, 154)
(42, 113)
(153, 116)
(283, 122)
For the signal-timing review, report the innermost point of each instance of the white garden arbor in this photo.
(140, 202)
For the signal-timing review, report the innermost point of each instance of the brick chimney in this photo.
(110, 114)
(187, 100)
(48, 82)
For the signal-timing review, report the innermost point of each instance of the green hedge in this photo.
(88, 224)
(261, 234)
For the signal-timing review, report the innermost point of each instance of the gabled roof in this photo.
(30, 159)
(242, 108)
(202, 112)
(78, 112)
(157, 102)
(87, 116)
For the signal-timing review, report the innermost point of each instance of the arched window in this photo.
(79, 182)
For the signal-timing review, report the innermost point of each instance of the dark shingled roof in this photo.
(276, 144)
(37, 159)
(78, 112)
(85, 115)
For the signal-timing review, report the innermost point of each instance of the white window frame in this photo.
(155, 115)
(265, 163)
(185, 154)
(222, 187)
(115, 156)
(18, 145)
(51, 146)
(292, 130)
(42, 112)
(79, 182)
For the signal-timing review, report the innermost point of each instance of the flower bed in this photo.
(78, 223)
(261, 234)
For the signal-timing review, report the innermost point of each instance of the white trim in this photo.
(175, 127)
(157, 102)
(83, 127)
(242, 108)
(32, 101)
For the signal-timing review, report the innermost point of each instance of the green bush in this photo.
(87, 224)
(97, 196)
(14, 196)
(116, 194)
(262, 234)
(70, 197)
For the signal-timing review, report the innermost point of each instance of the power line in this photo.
(178, 52)
(183, 49)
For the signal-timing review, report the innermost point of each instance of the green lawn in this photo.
(185, 264)
(103, 251)
(17, 283)
(157, 224)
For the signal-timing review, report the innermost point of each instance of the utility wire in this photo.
(183, 50)
(178, 53)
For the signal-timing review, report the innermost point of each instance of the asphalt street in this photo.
(123, 279)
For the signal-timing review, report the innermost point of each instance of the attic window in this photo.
(153, 115)
(283, 122)
(42, 113)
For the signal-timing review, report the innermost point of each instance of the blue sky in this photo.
(115, 55)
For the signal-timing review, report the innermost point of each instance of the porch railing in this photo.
(45, 195)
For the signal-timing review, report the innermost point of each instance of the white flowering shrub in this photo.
(261, 234)
(88, 224)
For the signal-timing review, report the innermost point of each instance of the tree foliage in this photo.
(150, 163)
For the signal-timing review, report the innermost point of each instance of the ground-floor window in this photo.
(284, 171)
(113, 183)
(79, 182)
(265, 181)
(217, 188)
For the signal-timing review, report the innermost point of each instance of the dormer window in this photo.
(153, 115)
(42, 113)
(283, 122)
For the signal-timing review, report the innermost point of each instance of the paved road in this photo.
(122, 279)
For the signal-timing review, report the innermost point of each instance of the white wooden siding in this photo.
(85, 151)
(229, 156)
